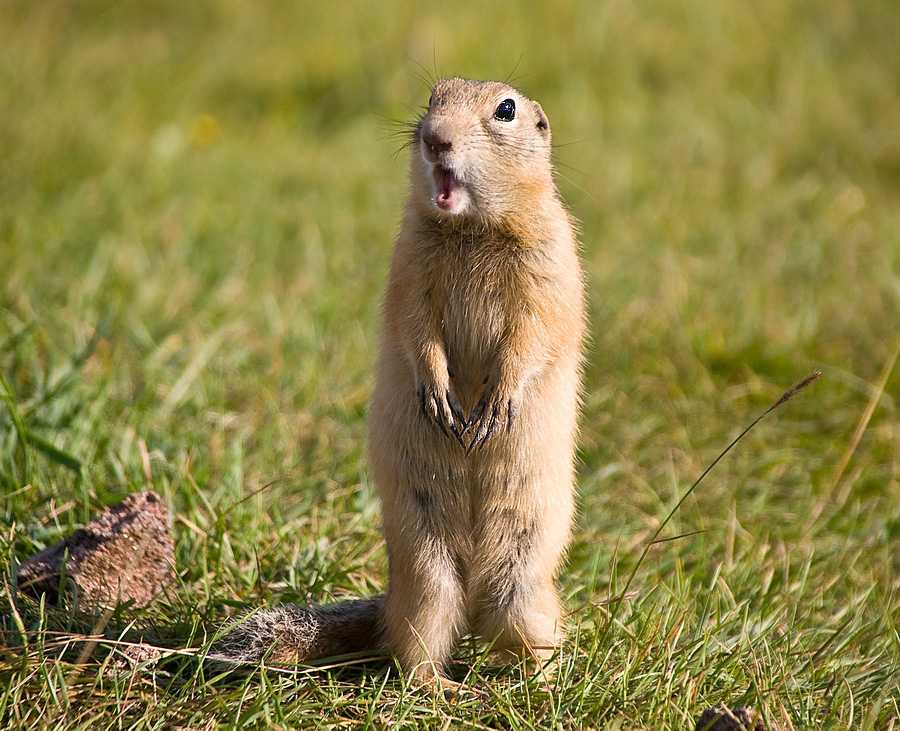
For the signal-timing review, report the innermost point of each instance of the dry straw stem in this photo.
(785, 397)
(877, 393)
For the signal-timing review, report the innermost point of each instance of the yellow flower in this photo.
(205, 130)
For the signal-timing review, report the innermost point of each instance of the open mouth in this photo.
(447, 189)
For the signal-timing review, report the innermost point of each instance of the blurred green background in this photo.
(197, 207)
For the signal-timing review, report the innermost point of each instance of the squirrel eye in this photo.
(506, 111)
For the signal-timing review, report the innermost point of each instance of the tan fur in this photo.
(473, 418)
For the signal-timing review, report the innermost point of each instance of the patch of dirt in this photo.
(125, 554)
(736, 719)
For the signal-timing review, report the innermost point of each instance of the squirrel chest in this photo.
(478, 292)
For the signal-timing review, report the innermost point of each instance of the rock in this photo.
(125, 554)
(736, 719)
(131, 657)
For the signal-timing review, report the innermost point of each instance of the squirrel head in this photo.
(481, 150)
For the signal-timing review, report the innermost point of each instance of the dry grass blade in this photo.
(785, 397)
(841, 467)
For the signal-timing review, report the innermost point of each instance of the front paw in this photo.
(441, 406)
(496, 409)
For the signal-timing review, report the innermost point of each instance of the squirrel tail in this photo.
(293, 634)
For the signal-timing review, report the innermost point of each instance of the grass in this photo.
(197, 206)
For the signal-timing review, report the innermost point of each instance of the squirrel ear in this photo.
(543, 124)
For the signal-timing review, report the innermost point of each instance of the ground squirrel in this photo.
(473, 417)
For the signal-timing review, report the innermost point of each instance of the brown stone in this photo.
(130, 658)
(736, 719)
(125, 554)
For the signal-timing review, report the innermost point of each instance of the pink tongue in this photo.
(446, 185)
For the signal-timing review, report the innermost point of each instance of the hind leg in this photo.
(525, 512)
(422, 488)
(423, 610)
(517, 604)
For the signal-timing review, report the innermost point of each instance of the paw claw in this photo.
(442, 408)
(490, 413)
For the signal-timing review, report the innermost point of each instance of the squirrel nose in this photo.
(435, 143)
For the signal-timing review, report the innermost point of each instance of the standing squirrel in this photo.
(473, 417)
